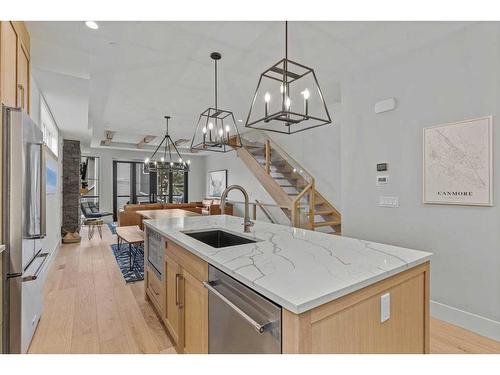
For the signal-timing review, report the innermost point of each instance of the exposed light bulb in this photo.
(221, 132)
(204, 130)
(294, 170)
(162, 159)
(282, 88)
(146, 161)
(210, 126)
(156, 163)
(92, 25)
(288, 102)
(267, 97)
(306, 94)
(180, 160)
(188, 162)
(227, 128)
(171, 163)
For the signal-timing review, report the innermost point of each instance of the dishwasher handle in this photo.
(261, 328)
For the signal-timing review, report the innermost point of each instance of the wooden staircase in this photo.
(289, 185)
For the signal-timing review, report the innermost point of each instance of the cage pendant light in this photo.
(288, 98)
(163, 159)
(216, 129)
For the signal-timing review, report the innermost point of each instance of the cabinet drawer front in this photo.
(195, 266)
(154, 287)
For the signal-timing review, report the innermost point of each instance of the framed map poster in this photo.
(458, 163)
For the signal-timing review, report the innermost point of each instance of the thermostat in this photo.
(381, 167)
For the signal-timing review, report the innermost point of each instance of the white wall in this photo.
(196, 179)
(453, 79)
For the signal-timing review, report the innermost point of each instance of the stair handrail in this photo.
(271, 146)
(263, 209)
(290, 160)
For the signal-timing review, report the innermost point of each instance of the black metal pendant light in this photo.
(216, 129)
(159, 160)
(288, 98)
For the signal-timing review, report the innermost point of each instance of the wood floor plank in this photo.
(447, 338)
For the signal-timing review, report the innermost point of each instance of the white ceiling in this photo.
(126, 76)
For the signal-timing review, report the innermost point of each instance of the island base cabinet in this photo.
(173, 303)
(352, 324)
(186, 313)
(195, 317)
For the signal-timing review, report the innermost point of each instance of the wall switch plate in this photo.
(391, 202)
(385, 307)
(382, 180)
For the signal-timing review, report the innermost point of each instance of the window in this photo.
(49, 128)
(89, 179)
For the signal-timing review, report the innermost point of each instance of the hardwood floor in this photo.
(88, 308)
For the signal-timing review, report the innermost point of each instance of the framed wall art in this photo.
(458, 163)
(217, 183)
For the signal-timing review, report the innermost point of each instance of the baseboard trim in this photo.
(476, 323)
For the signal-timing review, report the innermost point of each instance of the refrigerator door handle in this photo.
(42, 232)
(43, 227)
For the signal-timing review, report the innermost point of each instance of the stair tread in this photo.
(324, 212)
(327, 223)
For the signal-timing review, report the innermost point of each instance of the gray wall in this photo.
(453, 79)
(196, 176)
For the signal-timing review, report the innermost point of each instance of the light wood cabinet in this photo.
(173, 298)
(195, 317)
(23, 78)
(352, 324)
(14, 64)
(186, 310)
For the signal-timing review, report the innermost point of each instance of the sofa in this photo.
(128, 214)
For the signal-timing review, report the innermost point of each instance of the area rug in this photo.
(112, 227)
(123, 260)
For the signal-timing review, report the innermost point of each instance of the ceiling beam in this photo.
(145, 141)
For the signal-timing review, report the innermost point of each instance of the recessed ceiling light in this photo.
(92, 25)
(240, 120)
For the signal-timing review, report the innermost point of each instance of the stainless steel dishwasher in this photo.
(240, 320)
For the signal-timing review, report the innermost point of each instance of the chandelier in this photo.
(216, 129)
(288, 98)
(159, 160)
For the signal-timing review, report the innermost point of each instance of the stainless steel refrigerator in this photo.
(23, 202)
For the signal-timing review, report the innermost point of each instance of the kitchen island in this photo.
(330, 288)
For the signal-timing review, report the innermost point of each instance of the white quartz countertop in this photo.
(297, 269)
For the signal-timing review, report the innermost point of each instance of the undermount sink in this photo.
(219, 238)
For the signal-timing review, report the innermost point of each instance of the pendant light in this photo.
(288, 98)
(164, 160)
(216, 129)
